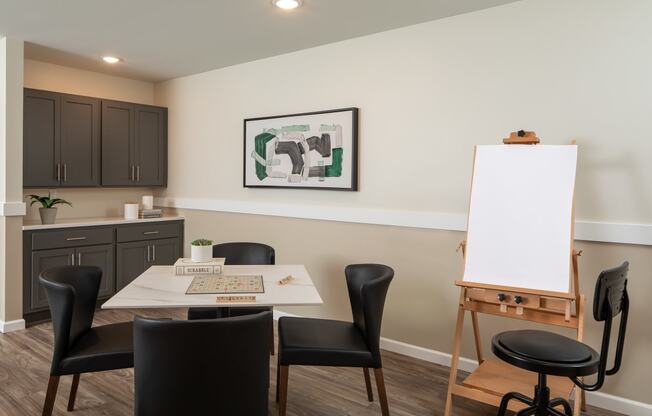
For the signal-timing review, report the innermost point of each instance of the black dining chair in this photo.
(238, 254)
(78, 347)
(547, 353)
(202, 367)
(323, 342)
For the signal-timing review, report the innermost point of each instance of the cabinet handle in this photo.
(75, 238)
(65, 172)
(72, 259)
(150, 232)
(78, 259)
(58, 172)
(148, 256)
(153, 253)
(138, 173)
(132, 172)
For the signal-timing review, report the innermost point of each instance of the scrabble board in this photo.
(226, 285)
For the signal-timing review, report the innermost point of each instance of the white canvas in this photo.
(520, 215)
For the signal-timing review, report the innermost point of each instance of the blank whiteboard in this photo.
(519, 231)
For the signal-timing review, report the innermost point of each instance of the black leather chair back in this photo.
(72, 295)
(202, 367)
(245, 253)
(610, 300)
(368, 285)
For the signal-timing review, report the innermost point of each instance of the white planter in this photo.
(201, 254)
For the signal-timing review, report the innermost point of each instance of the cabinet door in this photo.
(102, 257)
(80, 141)
(165, 252)
(151, 145)
(41, 118)
(43, 260)
(132, 262)
(118, 162)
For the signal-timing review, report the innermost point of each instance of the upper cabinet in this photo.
(134, 144)
(72, 141)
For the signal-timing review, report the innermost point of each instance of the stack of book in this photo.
(187, 267)
(150, 213)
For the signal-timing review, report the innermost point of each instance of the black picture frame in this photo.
(354, 150)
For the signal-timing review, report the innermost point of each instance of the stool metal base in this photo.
(541, 405)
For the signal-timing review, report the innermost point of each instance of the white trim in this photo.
(12, 209)
(597, 399)
(10, 326)
(584, 230)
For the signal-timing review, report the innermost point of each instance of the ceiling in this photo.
(163, 39)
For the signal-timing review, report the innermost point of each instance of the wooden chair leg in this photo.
(278, 377)
(367, 382)
(283, 389)
(382, 394)
(73, 392)
(50, 395)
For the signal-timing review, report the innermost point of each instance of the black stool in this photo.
(547, 353)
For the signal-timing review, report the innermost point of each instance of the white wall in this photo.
(427, 93)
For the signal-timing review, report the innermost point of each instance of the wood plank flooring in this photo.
(414, 387)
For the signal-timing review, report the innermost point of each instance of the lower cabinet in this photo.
(106, 247)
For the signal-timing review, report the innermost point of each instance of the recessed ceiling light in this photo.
(287, 4)
(111, 59)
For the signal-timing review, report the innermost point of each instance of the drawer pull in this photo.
(75, 238)
(150, 232)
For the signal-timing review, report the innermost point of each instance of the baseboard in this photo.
(10, 326)
(597, 399)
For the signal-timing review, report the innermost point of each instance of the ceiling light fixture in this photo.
(287, 4)
(111, 59)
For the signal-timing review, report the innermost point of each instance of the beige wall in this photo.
(422, 302)
(428, 93)
(88, 202)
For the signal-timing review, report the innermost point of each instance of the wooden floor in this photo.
(414, 387)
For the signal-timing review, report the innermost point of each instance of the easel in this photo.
(493, 378)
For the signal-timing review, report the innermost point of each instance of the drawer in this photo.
(150, 231)
(71, 237)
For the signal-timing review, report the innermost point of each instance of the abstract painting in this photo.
(310, 150)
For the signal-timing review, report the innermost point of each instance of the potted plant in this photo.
(47, 210)
(201, 250)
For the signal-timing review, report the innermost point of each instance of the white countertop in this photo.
(90, 222)
(159, 287)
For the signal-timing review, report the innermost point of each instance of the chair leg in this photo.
(532, 410)
(382, 394)
(278, 377)
(73, 392)
(367, 382)
(283, 389)
(512, 396)
(50, 395)
(559, 401)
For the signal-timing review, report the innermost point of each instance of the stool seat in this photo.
(546, 352)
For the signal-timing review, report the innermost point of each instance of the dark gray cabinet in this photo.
(122, 251)
(73, 141)
(61, 140)
(41, 138)
(134, 144)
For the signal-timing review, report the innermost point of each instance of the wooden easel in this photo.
(494, 378)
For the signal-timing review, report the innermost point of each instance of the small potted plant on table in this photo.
(47, 210)
(201, 250)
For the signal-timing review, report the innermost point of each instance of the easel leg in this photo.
(452, 379)
(476, 335)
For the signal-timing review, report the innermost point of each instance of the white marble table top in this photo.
(159, 287)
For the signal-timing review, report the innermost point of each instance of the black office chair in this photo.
(202, 367)
(78, 348)
(238, 254)
(547, 353)
(322, 342)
